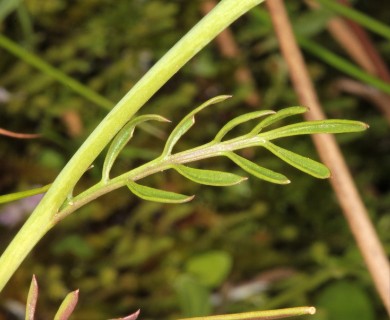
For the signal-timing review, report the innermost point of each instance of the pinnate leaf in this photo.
(32, 299)
(209, 177)
(313, 127)
(67, 306)
(284, 113)
(122, 138)
(186, 123)
(256, 170)
(238, 120)
(304, 164)
(157, 195)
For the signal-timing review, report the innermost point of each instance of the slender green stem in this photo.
(46, 68)
(43, 217)
(342, 64)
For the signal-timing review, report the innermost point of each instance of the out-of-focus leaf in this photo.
(7, 6)
(157, 195)
(238, 120)
(304, 164)
(67, 306)
(122, 138)
(32, 299)
(23, 194)
(211, 268)
(186, 123)
(256, 170)
(193, 297)
(345, 300)
(284, 113)
(209, 177)
(313, 127)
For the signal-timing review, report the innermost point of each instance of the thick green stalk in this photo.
(41, 220)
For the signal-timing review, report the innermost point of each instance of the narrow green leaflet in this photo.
(304, 164)
(32, 299)
(238, 120)
(209, 177)
(186, 123)
(23, 194)
(256, 170)
(284, 113)
(67, 306)
(176, 134)
(157, 195)
(313, 127)
(122, 138)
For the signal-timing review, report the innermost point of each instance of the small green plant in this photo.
(116, 130)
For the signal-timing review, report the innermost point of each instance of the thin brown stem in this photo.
(342, 182)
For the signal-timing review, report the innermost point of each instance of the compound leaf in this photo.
(209, 177)
(157, 195)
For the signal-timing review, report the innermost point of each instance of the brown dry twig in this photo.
(342, 182)
(18, 135)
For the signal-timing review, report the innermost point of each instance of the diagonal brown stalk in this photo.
(342, 182)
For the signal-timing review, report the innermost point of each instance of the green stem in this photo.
(61, 77)
(43, 217)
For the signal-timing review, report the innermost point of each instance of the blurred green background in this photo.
(248, 247)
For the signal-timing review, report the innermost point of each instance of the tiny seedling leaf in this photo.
(256, 170)
(284, 113)
(23, 194)
(67, 306)
(313, 127)
(238, 120)
(304, 164)
(122, 138)
(186, 123)
(209, 177)
(32, 299)
(157, 195)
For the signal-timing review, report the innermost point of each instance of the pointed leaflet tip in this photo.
(32, 299)
(67, 306)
